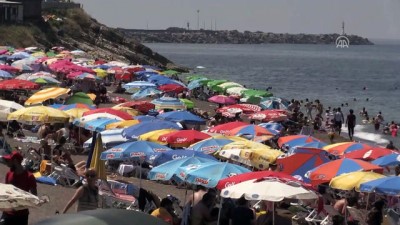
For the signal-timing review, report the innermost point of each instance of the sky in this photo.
(368, 18)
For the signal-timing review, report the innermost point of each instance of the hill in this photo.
(74, 29)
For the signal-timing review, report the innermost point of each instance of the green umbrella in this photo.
(189, 104)
(215, 82)
(80, 97)
(41, 81)
(195, 77)
(205, 82)
(252, 100)
(170, 72)
(258, 93)
(50, 54)
(217, 88)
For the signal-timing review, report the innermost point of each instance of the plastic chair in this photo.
(331, 212)
(357, 214)
(393, 217)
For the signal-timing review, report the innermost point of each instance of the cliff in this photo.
(74, 29)
(179, 35)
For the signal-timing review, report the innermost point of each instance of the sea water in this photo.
(361, 76)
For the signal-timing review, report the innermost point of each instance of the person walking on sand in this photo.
(339, 119)
(351, 123)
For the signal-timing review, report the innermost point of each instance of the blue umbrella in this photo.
(138, 84)
(168, 103)
(5, 74)
(135, 150)
(178, 154)
(110, 138)
(167, 170)
(385, 185)
(136, 130)
(196, 83)
(272, 126)
(314, 144)
(99, 124)
(143, 118)
(182, 116)
(388, 160)
(208, 174)
(56, 106)
(75, 105)
(210, 146)
(19, 55)
(274, 103)
(146, 92)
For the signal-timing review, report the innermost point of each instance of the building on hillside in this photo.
(11, 11)
(32, 9)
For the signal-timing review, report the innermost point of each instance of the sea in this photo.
(361, 76)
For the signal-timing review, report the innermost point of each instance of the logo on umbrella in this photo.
(137, 154)
(110, 156)
(160, 176)
(178, 156)
(201, 181)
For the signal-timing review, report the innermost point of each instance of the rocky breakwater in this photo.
(179, 35)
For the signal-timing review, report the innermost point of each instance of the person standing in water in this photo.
(351, 123)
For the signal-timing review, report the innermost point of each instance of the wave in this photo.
(361, 133)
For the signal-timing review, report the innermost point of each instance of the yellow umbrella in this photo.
(39, 114)
(45, 94)
(245, 145)
(154, 135)
(350, 181)
(76, 113)
(91, 96)
(39, 54)
(130, 111)
(220, 136)
(261, 158)
(97, 164)
(121, 124)
(100, 72)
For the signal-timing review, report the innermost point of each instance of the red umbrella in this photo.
(183, 137)
(254, 175)
(18, 84)
(172, 88)
(369, 154)
(226, 127)
(245, 108)
(8, 68)
(141, 106)
(115, 112)
(73, 75)
(275, 115)
(222, 99)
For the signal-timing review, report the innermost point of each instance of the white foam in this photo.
(369, 137)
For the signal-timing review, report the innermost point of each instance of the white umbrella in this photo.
(13, 198)
(7, 107)
(235, 90)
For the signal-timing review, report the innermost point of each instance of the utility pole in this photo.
(204, 25)
(198, 19)
(215, 24)
(343, 33)
(211, 23)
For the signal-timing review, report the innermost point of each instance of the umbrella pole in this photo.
(366, 205)
(4, 141)
(140, 174)
(273, 213)
(220, 209)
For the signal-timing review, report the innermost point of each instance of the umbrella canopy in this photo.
(167, 156)
(80, 97)
(257, 93)
(167, 170)
(141, 106)
(153, 136)
(110, 138)
(121, 124)
(183, 138)
(88, 76)
(235, 90)
(130, 111)
(45, 80)
(170, 72)
(176, 88)
(189, 104)
(182, 116)
(208, 174)
(268, 189)
(353, 180)
(5, 74)
(39, 114)
(45, 94)
(195, 77)
(135, 131)
(146, 92)
(13, 198)
(369, 154)
(222, 99)
(227, 85)
(98, 165)
(345, 147)
(385, 185)
(104, 217)
(316, 144)
(245, 108)
(99, 124)
(210, 146)
(132, 150)
(302, 160)
(15, 84)
(274, 103)
(250, 129)
(226, 127)
(296, 140)
(9, 69)
(270, 115)
(138, 85)
(76, 106)
(388, 160)
(325, 172)
(76, 113)
(168, 103)
(7, 107)
(113, 112)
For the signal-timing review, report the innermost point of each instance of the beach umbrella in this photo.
(167, 156)
(7, 107)
(19, 55)
(23, 67)
(75, 113)
(110, 138)
(269, 115)
(15, 84)
(353, 180)
(227, 85)
(302, 160)
(257, 93)
(250, 129)
(143, 118)
(80, 97)
(9, 69)
(97, 164)
(135, 131)
(130, 111)
(121, 124)
(172, 88)
(346, 147)
(170, 72)
(272, 126)
(226, 127)
(245, 108)
(260, 158)
(296, 140)
(182, 116)
(138, 85)
(44, 81)
(369, 154)
(235, 90)
(108, 113)
(5, 74)
(104, 217)
(189, 104)
(392, 159)
(98, 124)
(168, 103)
(208, 174)
(100, 72)
(167, 170)
(45, 94)
(193, 77)
(153, 136)
(13, 198)
(133, 150)
(222, 99)
(146, 92)
(385, 185)
(245, 145)
(325, 172)
(315, 145)
(183, 138)
(88, 76)
(274, 103)
(215, 83)
(196, 83)
(76, 106)
(210, 145)
(81, 122)
(39, 114)
(141, 106)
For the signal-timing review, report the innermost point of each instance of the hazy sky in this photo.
(368, 18)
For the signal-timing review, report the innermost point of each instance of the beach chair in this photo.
(65, 175)
(330, 212)
(392, 216)
(358, 215)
